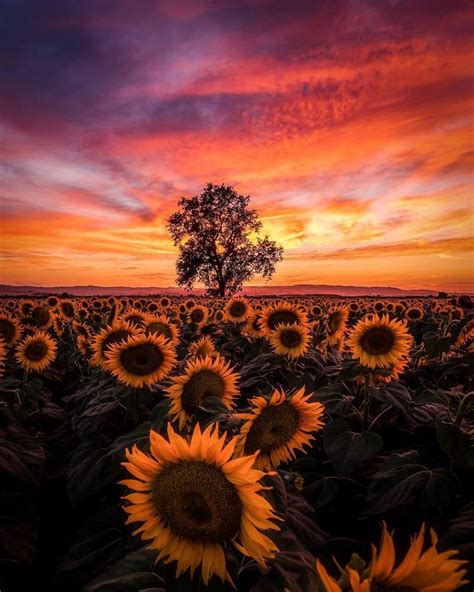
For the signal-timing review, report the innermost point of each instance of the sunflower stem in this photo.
(464, 404)
(366, 404)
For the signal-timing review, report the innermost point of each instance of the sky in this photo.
(349, 123)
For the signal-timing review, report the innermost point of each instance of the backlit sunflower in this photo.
(252, 327)
(141, 360)
(414, 313)
(283, 312)
(26, 307)
(117, 332)
(466, 335)
(237, 310)
(429, 571)
(36, 352)
(9, 329)
(161, 325)
(67, 309)
(191, 501)
(379, 342)
(52, 301)
(198, 314)
(278, 427)
(202, 378)
(290, 340)
(43, 316)
(336, 324)
(202, 347)
(134, 317)
(354, 306)
(379, 306)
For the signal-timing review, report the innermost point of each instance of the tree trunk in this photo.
(221, 290)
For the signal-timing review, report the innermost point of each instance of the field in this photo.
(265, 444)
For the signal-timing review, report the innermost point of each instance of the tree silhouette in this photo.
(214, 233)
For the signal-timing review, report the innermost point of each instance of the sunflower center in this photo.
(67, 309)
(237, 309)
(36, 350)
(377, 341)
(414, 313)
(160, 329)
(198, 502)
(7, 330)
(200, 386)
(282, 316)
(141, 359)
(290, 338)
(334, 321)
(197, 315)
(275, 425)
(114, 337)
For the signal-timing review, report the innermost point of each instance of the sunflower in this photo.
(379, 342)
(43, 316)
(36, 352)
(414, 313)
(379, 306)
(202, 347)
(417, 572)
(67, 309)
(283, 312)
(26, 307)
(134, 316)
(9, 329)
(354, 306)
(237, 310)
(336, 324)
(141, 360)
(161, 325)
(108, 336)
(290, 340)
(198, 314)
(202, 378)
(276, 428)
(466, 335)
(252, 327)
(52, 301)
(191, 501)
(219, 316)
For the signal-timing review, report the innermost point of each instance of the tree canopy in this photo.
(219, 244)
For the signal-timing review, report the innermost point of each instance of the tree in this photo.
(217, 236)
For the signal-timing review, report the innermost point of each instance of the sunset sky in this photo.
(348, 122)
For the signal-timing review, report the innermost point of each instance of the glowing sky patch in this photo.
(348, 122)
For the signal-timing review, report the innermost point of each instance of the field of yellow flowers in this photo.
(267, 444)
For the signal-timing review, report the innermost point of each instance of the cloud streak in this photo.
(349, 123)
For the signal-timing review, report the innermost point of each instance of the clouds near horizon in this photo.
(349, 122)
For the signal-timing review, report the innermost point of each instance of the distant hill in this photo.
(294, 290)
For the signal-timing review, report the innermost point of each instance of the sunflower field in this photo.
(268, 444)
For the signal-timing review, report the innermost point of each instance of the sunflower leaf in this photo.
(349, 450)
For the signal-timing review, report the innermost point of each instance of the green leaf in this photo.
(133, 573)
(402, 480)
(349, 450)
(456, 444)
(436, 344)
(96, 463)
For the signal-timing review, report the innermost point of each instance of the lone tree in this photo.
(214, 233)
